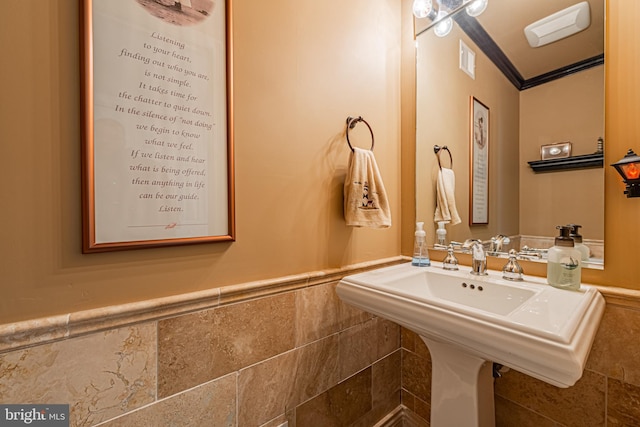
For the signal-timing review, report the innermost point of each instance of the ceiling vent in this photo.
(559, 25)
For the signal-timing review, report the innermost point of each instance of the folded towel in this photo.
(445, 197)
(365, 200)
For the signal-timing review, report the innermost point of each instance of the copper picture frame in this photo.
(479, 173)
(157, 125)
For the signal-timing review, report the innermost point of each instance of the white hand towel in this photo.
(445, 197)
(365, 200)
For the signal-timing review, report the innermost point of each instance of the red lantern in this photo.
(629, 169)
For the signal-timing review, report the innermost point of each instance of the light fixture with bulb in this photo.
(444, 25)
(440, 12)
(629, 169)
(476, 7)
(423, 9)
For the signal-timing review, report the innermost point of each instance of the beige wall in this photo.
(568, 109)
(316, 77)
(299, 70)
(442, 117)
(622, 228)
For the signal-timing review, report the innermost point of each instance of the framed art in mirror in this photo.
(479, 174)
(558, 150)
(157, 138)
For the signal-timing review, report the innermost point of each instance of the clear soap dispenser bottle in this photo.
(564, 262)
(420, 251)
(441, 233)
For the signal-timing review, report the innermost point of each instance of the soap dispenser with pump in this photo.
(577, 239)
(441, 233)
(564, 262)
(420, 251)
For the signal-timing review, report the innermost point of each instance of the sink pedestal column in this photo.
(461, 387)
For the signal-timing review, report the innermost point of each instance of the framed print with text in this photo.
(479, 174)
(157, 135)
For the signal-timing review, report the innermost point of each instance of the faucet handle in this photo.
(512, 270)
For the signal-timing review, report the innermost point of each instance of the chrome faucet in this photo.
(479, 262)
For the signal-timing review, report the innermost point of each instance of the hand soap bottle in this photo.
(564, 262)
(420, 251)
(441, 233)
(577, 240)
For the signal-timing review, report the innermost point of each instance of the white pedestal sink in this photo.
(468, 322)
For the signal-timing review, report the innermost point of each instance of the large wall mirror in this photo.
(537, 100)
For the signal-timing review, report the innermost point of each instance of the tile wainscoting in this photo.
(255, 354)
(262, 353)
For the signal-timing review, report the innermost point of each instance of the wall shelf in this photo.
(574, 162)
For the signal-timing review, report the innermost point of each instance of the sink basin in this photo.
(446, 289)
(469, 322)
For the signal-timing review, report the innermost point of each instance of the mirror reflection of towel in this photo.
(445, 197)
(365, 199)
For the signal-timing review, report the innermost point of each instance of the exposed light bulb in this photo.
(476, 7)
(422, 8)
(443, 27)
(631, 171)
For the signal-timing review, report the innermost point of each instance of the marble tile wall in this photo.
(607, 394)
(100, 375)
(293, 356)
